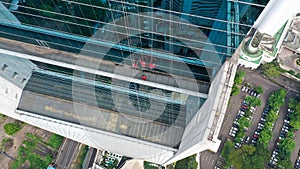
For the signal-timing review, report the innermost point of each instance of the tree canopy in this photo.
(276, 100)
(294, 105)
(239, 77)
(189, 162)
(235, 90)
(259, 89)
(244, 157)
(253, 101)
(272, 69)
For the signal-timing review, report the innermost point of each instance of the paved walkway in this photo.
(134, 164)
(288, 60)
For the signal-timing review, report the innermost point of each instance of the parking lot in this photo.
(235, 106)
(236, 102)
(297, 163)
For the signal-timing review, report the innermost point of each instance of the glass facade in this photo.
(179, 43)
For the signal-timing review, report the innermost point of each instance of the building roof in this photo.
(276, 13)
(100, 111)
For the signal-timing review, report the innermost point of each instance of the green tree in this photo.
(248, 113)
(248, 99)
(189, 162)
(244, 157)
(241, 74)
(11, 128)
(228, 147)
(286, 146)
(259, 89)
(276, 100)
(269, 125)
(290, 135)
(264, 137)
(240, 157)
(272, 116)
(240, 135)
(238, 79)
(270, 71)
(295, 123)
(292, 103)
(285, 164)
(243, 122)
(253, 101)
(235, 90)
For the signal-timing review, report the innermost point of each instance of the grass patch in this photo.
(12, 128)
(34, 137)
(26, 152)
(55, 141)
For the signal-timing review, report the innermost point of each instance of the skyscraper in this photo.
(140, 78)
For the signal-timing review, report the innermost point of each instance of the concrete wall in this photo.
(201, 133)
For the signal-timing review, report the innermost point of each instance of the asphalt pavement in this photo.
(65, 155)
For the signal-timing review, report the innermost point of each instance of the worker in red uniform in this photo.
(144, 77)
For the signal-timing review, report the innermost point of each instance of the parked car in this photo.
(237, 145)
(263, 119)
(243, 88)
(247, 139)
(234, 128)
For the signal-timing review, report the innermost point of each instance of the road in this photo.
(64, 158)
(90, 158)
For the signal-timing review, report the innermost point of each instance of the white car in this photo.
(246, 90)
(241, 113)
(232, 133)
(237, 145)
(249, 118)
(243, 88)
(247, 139)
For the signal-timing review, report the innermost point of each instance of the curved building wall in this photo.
(276, 13)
